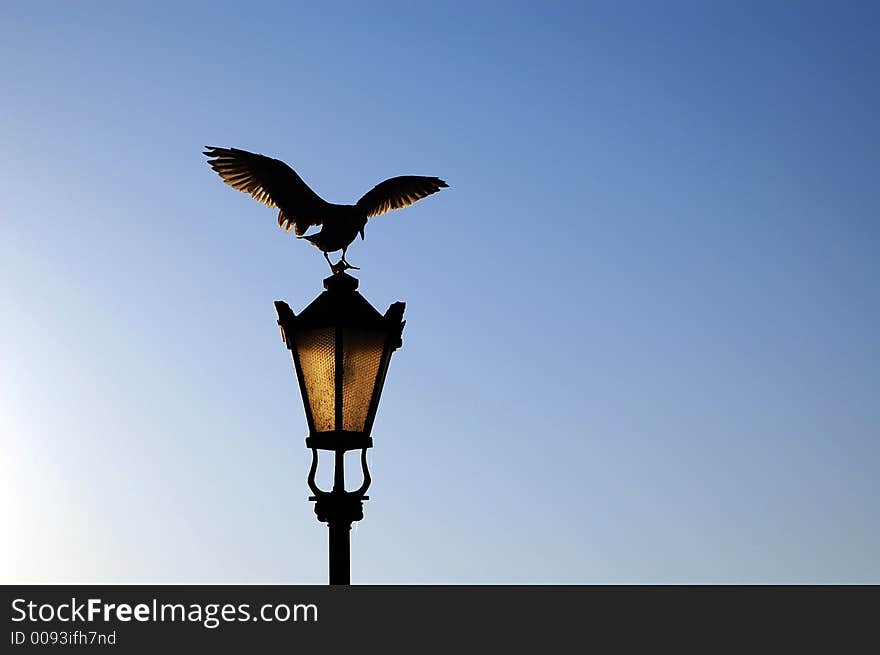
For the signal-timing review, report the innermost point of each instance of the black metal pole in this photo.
(340, 544)
(340, 552)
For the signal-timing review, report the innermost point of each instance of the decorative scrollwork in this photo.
(358, 494)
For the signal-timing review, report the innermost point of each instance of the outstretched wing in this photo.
(398, 192)
(271, 182)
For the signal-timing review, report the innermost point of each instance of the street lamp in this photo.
(341, 347)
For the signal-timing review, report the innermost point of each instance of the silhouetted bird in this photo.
(276, 184)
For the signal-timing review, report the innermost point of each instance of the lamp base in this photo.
(339, 440)
(336, 507)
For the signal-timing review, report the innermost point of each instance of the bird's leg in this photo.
(347, 265)
(338, 267)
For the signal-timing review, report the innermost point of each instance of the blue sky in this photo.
(641, 323)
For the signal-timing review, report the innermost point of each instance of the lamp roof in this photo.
(340, 305)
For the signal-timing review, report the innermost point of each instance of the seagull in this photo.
(274, 183)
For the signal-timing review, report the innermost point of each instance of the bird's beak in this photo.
(362, 234)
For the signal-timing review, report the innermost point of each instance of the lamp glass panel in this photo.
(362, 356)
(316, 349)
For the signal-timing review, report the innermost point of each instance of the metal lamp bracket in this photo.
(339, 504)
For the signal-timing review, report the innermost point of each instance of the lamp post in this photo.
(341, 346)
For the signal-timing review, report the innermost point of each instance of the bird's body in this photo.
(274, 183)
(340, 227)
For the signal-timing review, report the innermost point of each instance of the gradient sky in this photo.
(642, 323)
